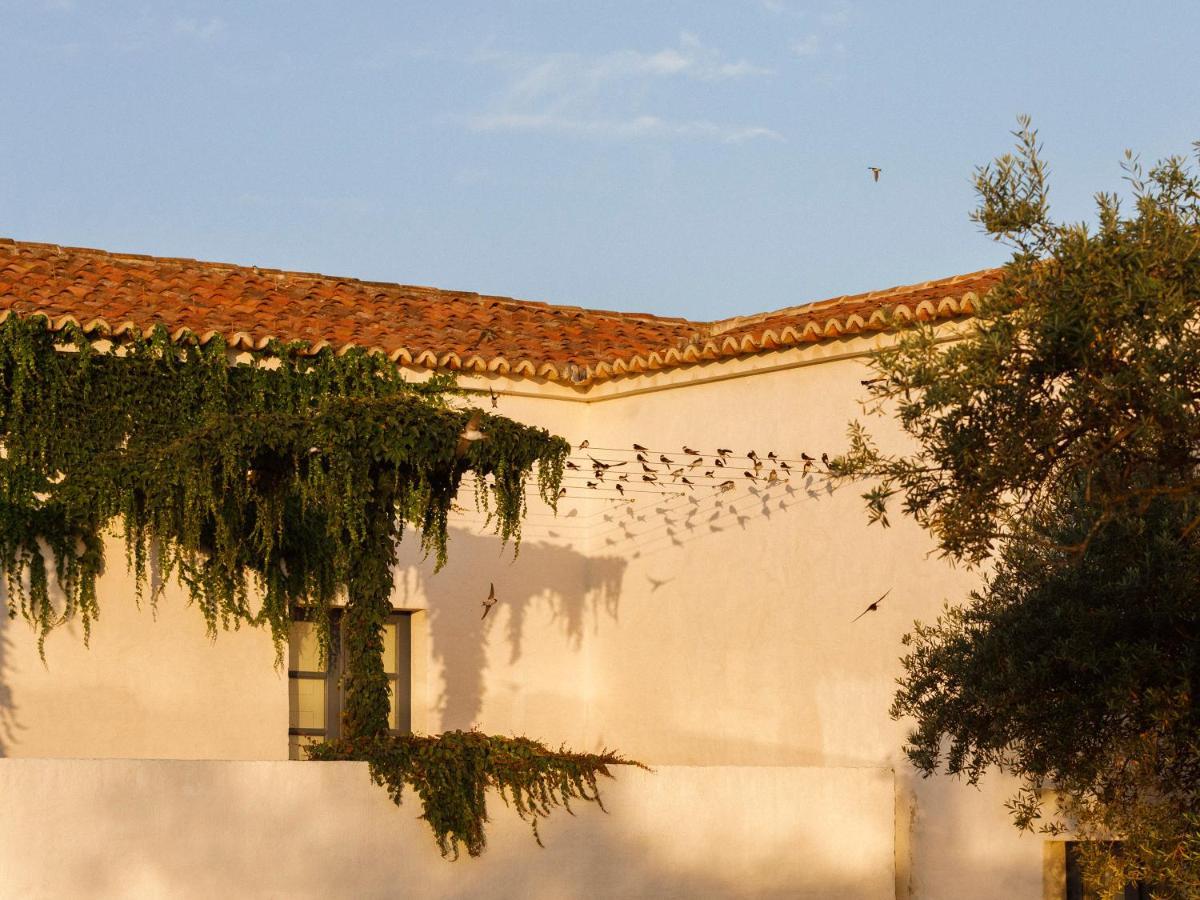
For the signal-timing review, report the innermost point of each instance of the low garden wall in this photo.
(183, 828)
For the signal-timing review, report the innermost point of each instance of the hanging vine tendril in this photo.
(452, 773)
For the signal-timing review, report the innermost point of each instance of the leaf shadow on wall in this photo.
(545, 577)
(8, 707)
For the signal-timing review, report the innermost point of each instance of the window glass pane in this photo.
(389, 648)
(307, 702)
(304, 648)
(297, 743)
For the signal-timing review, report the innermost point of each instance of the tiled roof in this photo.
(116, 293)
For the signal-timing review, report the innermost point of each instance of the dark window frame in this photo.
(400, 681)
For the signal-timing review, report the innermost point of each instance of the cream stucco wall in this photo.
(136, 828)
(711, 630)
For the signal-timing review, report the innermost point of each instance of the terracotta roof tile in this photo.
(114, 293)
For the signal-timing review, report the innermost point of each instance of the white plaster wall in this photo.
(152, 684)
(142, 828)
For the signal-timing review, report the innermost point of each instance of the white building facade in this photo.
(705, 632)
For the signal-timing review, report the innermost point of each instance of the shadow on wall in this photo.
(568, 585)
(8, 707)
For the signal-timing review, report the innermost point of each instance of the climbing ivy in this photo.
(262, 482)
(452, 773)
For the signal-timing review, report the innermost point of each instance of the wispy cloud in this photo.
(200, 30)
(619, 129)
(809, 45)
(600, 96)
(838, 14)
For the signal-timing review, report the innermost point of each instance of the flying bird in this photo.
(470, 434)
(490, 601)
(875, 170)
(872, 608)
(656, 583)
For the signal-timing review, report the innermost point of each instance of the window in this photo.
(315, 690)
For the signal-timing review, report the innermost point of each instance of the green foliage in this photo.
(1080, 675)
(1058, 438)
(1083, 363)
(287, 473)
(452, 773)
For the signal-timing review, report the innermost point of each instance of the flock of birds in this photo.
(615, 473)
(674, 473)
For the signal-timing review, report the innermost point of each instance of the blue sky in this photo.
(695, 159)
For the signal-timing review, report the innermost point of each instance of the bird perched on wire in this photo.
(640, 447)
(584, 445)
(874, 607)
(490, 601)
(875, 170)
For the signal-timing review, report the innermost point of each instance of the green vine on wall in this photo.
(263, 483)
(286, 473)
(452, 773)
